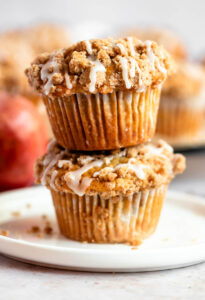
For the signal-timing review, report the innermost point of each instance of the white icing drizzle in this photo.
(53, 177)
(51, 144)
(96, 173)
(51, 163)
(152, 58)
(154, 150)
(134, 65)
(97, 66)
(166, 146)
(132, 49)
(68, 81)
(138, 169)
(161, 68)
(132, 69)
(88, 47)
(75, 183)
(46, 75)
(121, 47)
(73, 178)
(62, 162)
(124, 64)
(150, 53)
(108, 159)
(158, 151)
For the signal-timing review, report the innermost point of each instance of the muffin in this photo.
(181, 113)
(171, 42)
(46, 37)
(14, 57)
(17, 49)
(113, 196)
(102, 94)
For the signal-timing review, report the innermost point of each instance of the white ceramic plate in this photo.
(179, 240)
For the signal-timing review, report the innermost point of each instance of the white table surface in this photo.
(23, 281)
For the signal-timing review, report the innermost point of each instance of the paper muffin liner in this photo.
(104, 121)
(122, 219)
(179, 120)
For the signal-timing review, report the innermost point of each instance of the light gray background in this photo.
(187, 17)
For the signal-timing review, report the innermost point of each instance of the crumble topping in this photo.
(100, 66)
(109, 173)
(186, 83)
(171, 42)
(40, 231)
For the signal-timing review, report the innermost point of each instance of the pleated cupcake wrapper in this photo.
(116, 220)
(99, 122)
(178, 120)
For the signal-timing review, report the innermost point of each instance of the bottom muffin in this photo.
(109, 197)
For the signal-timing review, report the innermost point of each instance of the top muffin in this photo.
(100, 66)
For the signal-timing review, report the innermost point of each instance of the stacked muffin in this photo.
(102, 96)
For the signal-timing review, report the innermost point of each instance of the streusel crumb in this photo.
(100, 66)
(109, 173)
(162, 36)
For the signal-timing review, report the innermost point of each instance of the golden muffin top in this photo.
(100, 66)
(110, 173)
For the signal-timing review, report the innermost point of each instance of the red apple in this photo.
(23, 138)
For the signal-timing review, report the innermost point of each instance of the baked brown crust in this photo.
(171, 42)
(100, 66)
(110, 173)
(188, 82)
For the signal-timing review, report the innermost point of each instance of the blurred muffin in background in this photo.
(181, 113)
(45, 37)
(171, 42)
(18, 48)
(15, 54)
